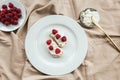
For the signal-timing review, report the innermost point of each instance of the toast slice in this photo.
(59, 38)
(53, 48)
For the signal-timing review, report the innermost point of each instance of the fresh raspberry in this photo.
(18, 10)
(0, 17)
(50, 47)
(48, 42)
(11, 9)
(3, 20)
(14, 9)
(7, 23)
(19, 15)
(54, 31)
(4, 11)
(11, 5)
(4, 6)
(8, 19)
(57, 36)
(14, 13)
(57, 50)
(63, 39)
(15, 18)
(15, 22)
(6, 16)
(12, 21)
(10, 14)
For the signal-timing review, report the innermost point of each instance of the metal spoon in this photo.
(94, 22)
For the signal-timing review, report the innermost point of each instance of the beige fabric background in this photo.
(102, 61)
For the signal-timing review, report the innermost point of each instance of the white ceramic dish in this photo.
(21, 20)
(74, 51)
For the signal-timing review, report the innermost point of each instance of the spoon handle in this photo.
(105, 33)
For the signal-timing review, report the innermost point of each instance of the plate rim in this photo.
(58, 16)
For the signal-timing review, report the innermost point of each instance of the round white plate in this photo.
(74, 51)
(21, 20)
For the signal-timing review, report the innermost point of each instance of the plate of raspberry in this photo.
(12, 15)
(72, 52)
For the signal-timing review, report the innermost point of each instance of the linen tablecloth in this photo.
(102, 61)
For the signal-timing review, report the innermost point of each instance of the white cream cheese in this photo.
(85, 17)
(52, 52)
(58, 41)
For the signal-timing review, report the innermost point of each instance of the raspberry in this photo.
(15, 18)
(7, 23)
(10, 14)
(19, 15)
(4, 6)
(11, 9)
(0, 14)
(15, 22)
(54, 31)
(15, 13)
(63, 39)
(4, 11)
(50, 47)
(3, 20)
(12, 21)
(18, 10)
(11, 5)
(0, 17)
(48, 42)
(57, 50)
(8, 19)
(6, 16)
(58, 36)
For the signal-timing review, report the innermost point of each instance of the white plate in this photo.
(74, 51)
(21, 20)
